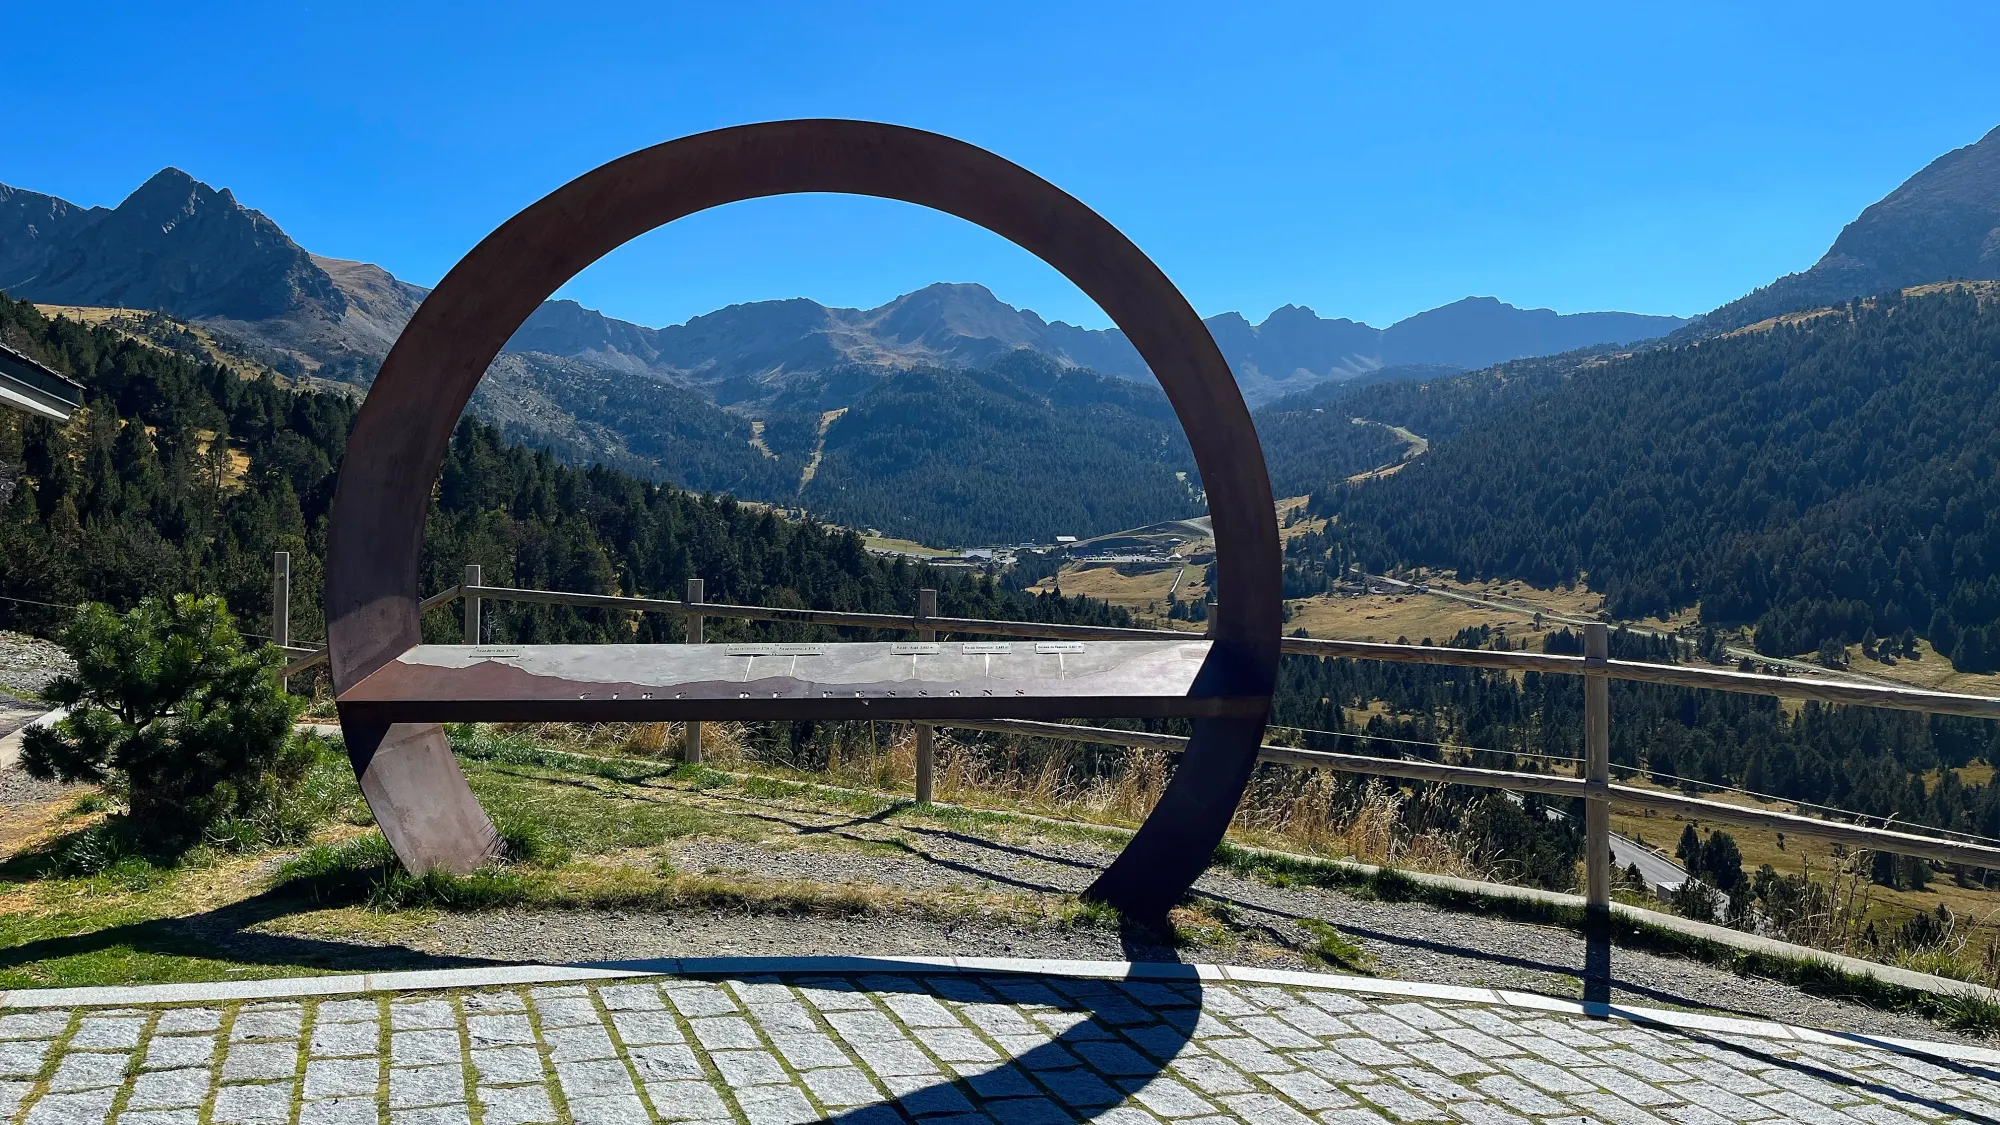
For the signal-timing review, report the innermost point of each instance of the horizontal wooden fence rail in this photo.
(443, 597)
(1676, 675)
(1554, 785)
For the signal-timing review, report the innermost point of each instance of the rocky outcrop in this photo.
(33, 227)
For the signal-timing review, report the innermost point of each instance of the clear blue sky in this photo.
(1366, 160)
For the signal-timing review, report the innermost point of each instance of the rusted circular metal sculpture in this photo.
(406, 770)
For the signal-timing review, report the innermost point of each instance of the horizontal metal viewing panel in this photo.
(949, 680)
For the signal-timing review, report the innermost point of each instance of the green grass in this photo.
(961, 816)
(1334, 949)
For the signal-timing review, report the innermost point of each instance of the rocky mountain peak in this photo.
(1942, 223)
(178, 245)
(940, 312)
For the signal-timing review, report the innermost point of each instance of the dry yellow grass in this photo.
(1929, 671)
(1978, 909)
(126, 323)
(1576, 602)
(1985, 290)
(86, 314)
(1144, 594)
(826, 422)
(905, 547)
(1384, 617)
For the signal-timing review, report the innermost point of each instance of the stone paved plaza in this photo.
(940, 1048)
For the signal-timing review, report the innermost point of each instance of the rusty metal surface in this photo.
(916, 680)
(400, 437)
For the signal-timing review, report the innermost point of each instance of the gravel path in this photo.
(16, 787)
(16, 713)
(1407, 940)
(27, 663)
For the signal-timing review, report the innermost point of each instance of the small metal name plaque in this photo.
(986, 648)
(1047, 648)
(801, 650)
(750, 650)
(916, 648)
(496, 652)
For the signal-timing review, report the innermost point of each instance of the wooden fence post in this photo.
(474, 627)
(1597, 813)
(926, 751)
(281, 599)
(281, 606)
(696, 594)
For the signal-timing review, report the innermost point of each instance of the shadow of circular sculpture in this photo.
(393, 691)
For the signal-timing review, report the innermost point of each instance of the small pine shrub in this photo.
(174, 716)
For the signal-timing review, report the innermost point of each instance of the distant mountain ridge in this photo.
(746, 350)
(184, 248)
(1942, 223)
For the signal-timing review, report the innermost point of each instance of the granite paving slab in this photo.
(954, 1046)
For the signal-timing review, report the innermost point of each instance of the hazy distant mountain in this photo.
(1942, 223)
(745, 349)
(1482, 331)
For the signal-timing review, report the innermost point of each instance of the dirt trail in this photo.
(1416, 445)
(826, 422)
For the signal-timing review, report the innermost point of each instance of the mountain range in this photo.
(747, 352)
(840, 409)
(181, 247)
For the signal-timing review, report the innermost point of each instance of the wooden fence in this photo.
(1595, 786)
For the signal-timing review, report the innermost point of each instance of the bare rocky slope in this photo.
(1943, 223)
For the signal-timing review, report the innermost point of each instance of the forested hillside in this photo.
(1023, 450)
(651, 429)
(1311, 448)
(1312, 443)
(1820, 478)
(185, 476)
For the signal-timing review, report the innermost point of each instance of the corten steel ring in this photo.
(407, 773)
